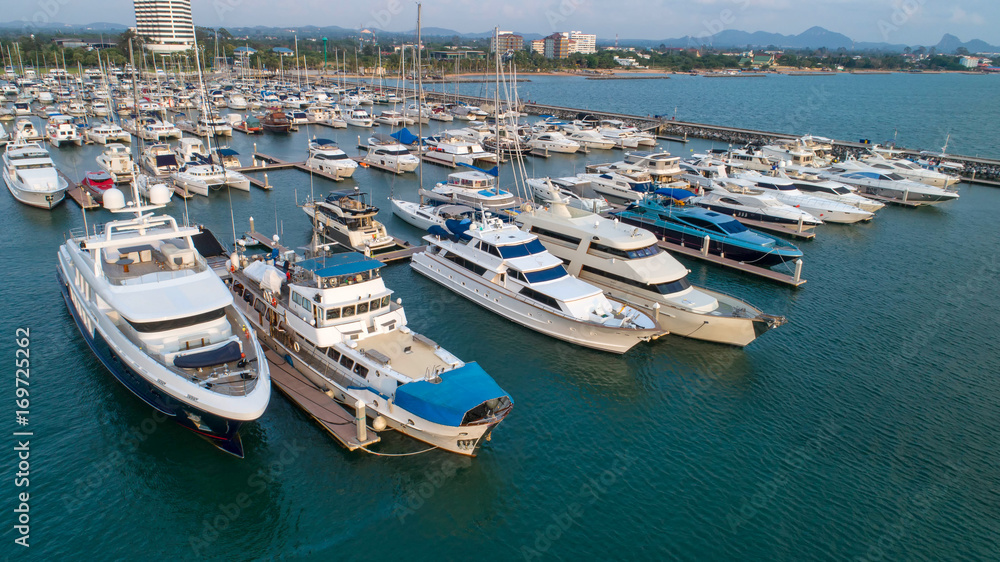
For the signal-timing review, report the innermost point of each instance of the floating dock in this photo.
(330, 415)
(79, 194)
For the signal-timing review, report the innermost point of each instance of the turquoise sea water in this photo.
(863, 429)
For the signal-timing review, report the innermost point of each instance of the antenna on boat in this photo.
(420, 109)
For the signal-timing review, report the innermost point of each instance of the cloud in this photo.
(960, 16)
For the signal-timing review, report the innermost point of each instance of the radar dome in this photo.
(114, 199)
(159, 194)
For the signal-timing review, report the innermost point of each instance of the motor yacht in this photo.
(359, 118)
(116, 160)
(509, 272)
(808, 181)
(31, 176)
(106, 131)
(826, 210)
(626, 262)
(325, 156)
(161, 321)
(336, 323)
(347, 218)
(60, 130)
(871, 181)
(159, 159)
(618, 188)
(567, 191)
(386, 152)
(476, 189)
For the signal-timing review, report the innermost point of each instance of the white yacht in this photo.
(742, 200)
(567, 191)
(325, 156)
(624, 136)
(99, 109)
(588, 137)
(418, 112)
(31, 176)
(212, 124)
(808, 181)
(159, 159)
(386, 152)
(359, 118)
(826, 210)
(200, 178)
(226, 157)
(424, 216)
(552, 141)
(347, 218)
(453, 150)
(236, 101)
(160, 319)
(106, 131)
(337, 323)
(663, 167)
(628, 264)
(478, 190)
(116, 160)
(910, 170)
(871, 181)
(509, 272)
(617, 188)
(393, 118)
(60, 130)
(156, 130)
(749, 159)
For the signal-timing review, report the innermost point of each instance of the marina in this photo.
(657, 348)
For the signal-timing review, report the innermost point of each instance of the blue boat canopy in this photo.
(494, 171)
(404, 136)
(349, 263)
(674, 193)
(227, 152)
(447, 402)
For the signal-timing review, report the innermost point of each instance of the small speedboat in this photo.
(96, 183)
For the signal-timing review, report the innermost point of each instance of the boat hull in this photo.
(38, 199)
(602, 338)
(218, 430)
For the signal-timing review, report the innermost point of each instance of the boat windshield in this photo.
(521, 250)
(341, 156)
(894, 177)
(543, 275)
(732, 227)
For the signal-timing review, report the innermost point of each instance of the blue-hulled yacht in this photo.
(667, 216)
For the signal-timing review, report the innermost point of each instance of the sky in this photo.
(895, 21)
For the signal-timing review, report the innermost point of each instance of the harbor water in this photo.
(865, 428)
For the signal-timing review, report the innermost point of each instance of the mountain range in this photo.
(812, 38)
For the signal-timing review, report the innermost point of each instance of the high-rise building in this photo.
(557, 46)
(538, 46)
(165, 25)
(506, 41)
(584, 43)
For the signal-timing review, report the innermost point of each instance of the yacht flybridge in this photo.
(335, 319)
(509, 272)
(160, 319)
(628, 264)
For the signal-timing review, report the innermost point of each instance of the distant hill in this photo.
(813, 38)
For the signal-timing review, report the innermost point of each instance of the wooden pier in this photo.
(769, 274)
(81, 196)
(331, 416)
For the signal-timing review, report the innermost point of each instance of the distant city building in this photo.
(557, 46)
(457, 55)
(506, 41)
(538, 46)
(583, 43)
(969, 62)
(166, 25)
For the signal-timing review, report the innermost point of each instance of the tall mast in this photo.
(420, 109)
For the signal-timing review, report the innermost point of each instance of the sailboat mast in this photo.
(420, 108)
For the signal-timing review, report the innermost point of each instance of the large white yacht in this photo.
(156, 130)
(325, 156)
(808, 181)
(568, 191)
(889, 185)
(116, 160)
(60, 130)
(475, 189)
(628, 264)
(336, 320)
(743, 200)
(619, 188)
(509, 272)
(31, 176)
(200, 178)
(453, 150)
(159, 159)
(785, 190)
(159, 318)
(106, 131)
(386, 152)
(346, 217)
(552, 141)
(909, 170)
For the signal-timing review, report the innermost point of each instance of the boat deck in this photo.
(330, 415)
(412, 356)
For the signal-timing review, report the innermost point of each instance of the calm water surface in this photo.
(865, 428)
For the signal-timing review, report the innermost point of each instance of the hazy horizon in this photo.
(893, 21)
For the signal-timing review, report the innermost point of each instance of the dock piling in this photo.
(706, 245)
(798, 271)
(360, 420)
